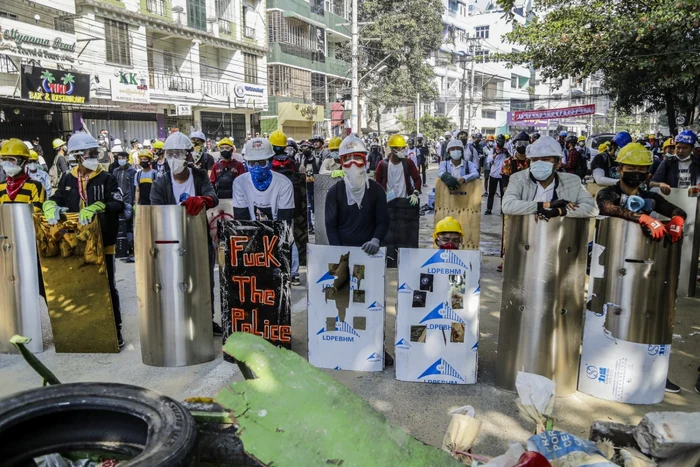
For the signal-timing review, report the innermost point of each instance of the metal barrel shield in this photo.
(172, 287)
(687, 281)
(19, 278)
(542, 301)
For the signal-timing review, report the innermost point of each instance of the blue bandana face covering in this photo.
(261, 176)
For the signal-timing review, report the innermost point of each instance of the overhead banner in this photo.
(437, 316)
(58, 86)
(548, 114)
(346, 308)
(255, 280)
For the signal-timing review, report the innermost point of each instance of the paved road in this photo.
(420, 409)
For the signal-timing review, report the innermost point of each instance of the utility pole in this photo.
(417, 113)
(615, 121)
(472, 49)
(463, 84)
(355, 113)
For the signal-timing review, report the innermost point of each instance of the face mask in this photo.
(281, 157)
(145, 164)
(456, 154)
(355, 177)
(177, 166)
(121, 162)
(227, 154)
(464, 141)
(489, 145)
(261, 176)
(32, 166)
(684, 160)
(289, 151)
(335, 155)
(401, 154)
(582, 143)
(11, 169)
(448, 246)
(520, 149)
(541, 170)
(91, 164)
(634, 179)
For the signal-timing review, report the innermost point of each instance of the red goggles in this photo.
(358, 159)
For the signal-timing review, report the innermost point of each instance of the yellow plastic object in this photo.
(224, 142)
(582, 138)
(448, 224)
(33, 156)
(635, 154)
(145, 153)
(669, 142)
(334, 144)
(397, 141)
(158, 145)
(57, 143)
(277, 138)
(14, 147)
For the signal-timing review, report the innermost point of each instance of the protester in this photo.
(518, 161)
(486, 165)
(125, 174)
(331, 166)
(495, 160)
(37, 173)
(575, 163)
(375, 156)
(456, 170)
(470, 153)
(311, 166)
(225, 170)
(443, 145)
(319, 152)
(60, 162)
(159, 165)
(448, 234)
(91, 191)
(681, 171)
(423, 157)
(399, 176)
(604, 167)
(19, 186)
(200, 156)
(145, 176)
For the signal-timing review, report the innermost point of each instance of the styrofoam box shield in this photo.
(346, 308)
(437, 316)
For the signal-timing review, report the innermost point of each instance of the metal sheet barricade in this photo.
(322, 183)
(687, 280)
(630, 314)
(172, 287)
(404, 226)
(542, 300)
(19, 278)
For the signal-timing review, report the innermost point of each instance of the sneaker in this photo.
(673, 388)
(487, 213)
(388, 359)
(217, 329)
(697, 384)
(296, 281)
(500, 268)
(120, 339)
(425, 186)
(485, 195)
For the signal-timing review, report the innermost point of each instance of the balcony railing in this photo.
(157, 7)
(249, 32)
(171, 82)
(302, 52)
(214, 88)
(224, 26)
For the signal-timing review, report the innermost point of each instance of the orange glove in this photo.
(195, 204)
(675, 228)
(655, 227)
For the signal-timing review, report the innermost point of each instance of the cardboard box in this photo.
(437, 316)
(346, 308)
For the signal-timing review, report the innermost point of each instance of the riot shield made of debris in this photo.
(20, 302)
(346, 308)
(322, 183)
(437, 316)
(464, 204)
(256, 279)
(173, 287)
(77, 288)
(687, 280)
(224, 210)
(404, 228)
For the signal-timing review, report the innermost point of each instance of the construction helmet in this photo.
(563, 134)
(14, 147)
(455, 144)
(396, 141)
(501, 140)
(198, 134)
(177, 140)
(622, 139)
(315, 138)
(522, 136)
(686, 137)
(545, 146)
(259, 149)
(145, 153)
(351, 145)
(634, 154)
(448, 134)
(581, 138)
(82, 141)
(571, 139)
(448, 224)
(158, 144)
(604, 147)
(669, 142)
(334, 144)
(507, 136)
(33, 155)
(489, 137)
(57, 143)
(225, 141)
(278, 138)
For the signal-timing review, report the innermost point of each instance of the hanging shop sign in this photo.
(250, 96)
(58, 86)
(183, 110)
(24, 40)
(548, 114)
(130, 87)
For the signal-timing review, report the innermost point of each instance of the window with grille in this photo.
(250, 68)
(482, 31)
(117, 42)
(64, 24)
(488, 114)
(318, 88)
(157, 7)
(285, 81)
(7, 65)
(4, 14)
(197, 14)
(168, 61)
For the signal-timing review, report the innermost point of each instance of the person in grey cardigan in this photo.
(543, 191)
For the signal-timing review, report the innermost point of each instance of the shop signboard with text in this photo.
(130, 87)
(61, 87)
(249, 96)
(29, 41)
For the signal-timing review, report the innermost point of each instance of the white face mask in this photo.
(401, 154)
(456, 154)
(91, 164)
(32, 166)
(356, 181)
(11, 169)
(541, 170)
(177, 166)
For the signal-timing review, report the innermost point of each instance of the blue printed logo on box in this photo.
(445, 257)
(441, 368)
(403, 344)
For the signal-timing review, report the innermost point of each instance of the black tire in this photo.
(104, 417)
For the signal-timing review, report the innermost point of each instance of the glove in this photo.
(450, 181)
(560, 203)
(195, 204)
(87, 213)
(556, 209)
(337, 174)
(675, 228)
(371, 247)
(51, 212)
(653, 227)
(413, 200)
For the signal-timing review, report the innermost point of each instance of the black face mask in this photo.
(145, 164)
(226, 154)
(520, 149)
(464, 141)
(634, 179)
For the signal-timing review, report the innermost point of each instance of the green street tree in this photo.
(647, 50)
(431, 126)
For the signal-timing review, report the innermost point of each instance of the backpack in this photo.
(224, 183)
(54, 174)
(581, 167)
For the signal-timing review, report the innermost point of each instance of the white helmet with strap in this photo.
(350, 145)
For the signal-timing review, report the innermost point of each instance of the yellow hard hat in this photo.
(634, 154)
(334, 144)
(57, 143)
(507, 136)
(397, 141)
(277, 138)
(14, 147)
(604, 147)
(225, 141)
(145, 153)
(448, 224)
(651, 136)
(582, 138)
(33, 155)
(158, 144)
(669, 142)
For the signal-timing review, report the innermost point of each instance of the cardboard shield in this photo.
(256, 279)
(464, 204)
(77, 288)
(404, 227)
(322, 183)
(224, 210)
(437, 316)
(346, 308)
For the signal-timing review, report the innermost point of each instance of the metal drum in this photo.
(19, 278)
(687, 280)
(542, 300)
(172, 287)
(636, 284)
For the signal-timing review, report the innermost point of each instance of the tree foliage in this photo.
(431, 126)
(646, 50)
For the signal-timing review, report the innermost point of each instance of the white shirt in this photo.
(497, 163)
(684, 173)
(263, 204)
(185, 187)
(395, 180)
(44, 179)
(413, 155)
(544, 195)
(329, 165)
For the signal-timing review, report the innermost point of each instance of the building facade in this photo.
(308, 80)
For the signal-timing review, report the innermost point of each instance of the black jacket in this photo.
(100, 187)
(162, 190)
(667, 172)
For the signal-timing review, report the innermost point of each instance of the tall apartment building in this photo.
(144, 67)
(308, 81)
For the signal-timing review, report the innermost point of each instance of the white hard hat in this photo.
(351, 144)
(448, 133)
(419, 135)
(117, 142)
(198, 134)
(455, 133)
(258, 149)
(146, 143)
(441, 139)
(81, 141)
(545, 146)
(455, 143)
(177, 140)
(117, 148)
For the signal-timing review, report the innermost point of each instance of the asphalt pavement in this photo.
(420, 409)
